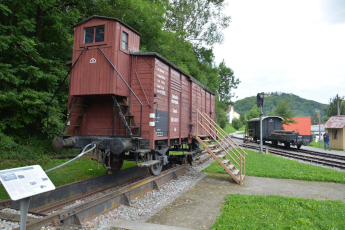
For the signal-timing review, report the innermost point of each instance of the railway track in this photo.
(331, 160)
(94, 198)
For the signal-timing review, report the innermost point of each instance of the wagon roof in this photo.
(336, 122)
(173, 65)
(263, 118)
(106, 18)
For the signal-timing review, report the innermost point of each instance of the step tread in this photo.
(235, 171)
(149, 163)
(220, 156)
(225, 161)
(217, 150)
(230, 166)
(238, 177)
(211, 146)
(207, 140)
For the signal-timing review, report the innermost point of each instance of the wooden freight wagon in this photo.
(171, 96)
(132, 105)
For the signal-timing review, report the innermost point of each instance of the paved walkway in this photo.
(199, 207)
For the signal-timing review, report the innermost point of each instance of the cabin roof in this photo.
(263, 118)
(106, 18)
(173, 65)
(336, 122)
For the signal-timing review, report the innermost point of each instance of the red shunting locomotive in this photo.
(133, 105)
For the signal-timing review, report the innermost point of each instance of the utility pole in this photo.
(338, 110)
(319, 129)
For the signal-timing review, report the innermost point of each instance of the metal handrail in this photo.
(141, 104)
(51, 100)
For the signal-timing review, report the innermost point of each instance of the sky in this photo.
(290, 46)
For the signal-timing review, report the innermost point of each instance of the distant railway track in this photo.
(320, 158)
(98, 195)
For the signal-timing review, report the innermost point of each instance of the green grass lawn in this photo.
(266, 165)
(75, 171)
(275, 212)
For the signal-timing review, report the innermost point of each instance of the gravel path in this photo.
(144, 207)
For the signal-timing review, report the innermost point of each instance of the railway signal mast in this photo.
(260, 104)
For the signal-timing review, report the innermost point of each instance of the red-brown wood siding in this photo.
(175, 101)
(98, 119)
(208, 109)
(142, 85)
(97, 76)
(213, 108)
(161, 88)
(185, 107)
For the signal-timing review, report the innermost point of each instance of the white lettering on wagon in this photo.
(160, 87)
(161, 77)
(174, 102)
(160, 70)
(174, 119)
(161, 92)
(174, 110)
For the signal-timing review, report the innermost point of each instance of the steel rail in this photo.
(316, 153)
(305, 157)
(99, 205)
(68, 193)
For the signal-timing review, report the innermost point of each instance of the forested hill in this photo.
(301, 107)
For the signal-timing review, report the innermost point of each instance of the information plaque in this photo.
(25, 181)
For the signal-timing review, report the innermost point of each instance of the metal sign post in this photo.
(23, 183)
(260, 104)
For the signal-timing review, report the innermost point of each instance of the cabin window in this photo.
(94, 34)
(124, 40)
(335, 134)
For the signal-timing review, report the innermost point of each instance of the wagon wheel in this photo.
(154, 169)
(275, 143)
(287, 145)
(299, 146)
(115, 163)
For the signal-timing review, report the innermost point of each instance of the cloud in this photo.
(284, 46)
(333, 11)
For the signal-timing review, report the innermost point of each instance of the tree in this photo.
(315, 118)
(227, 82)
(283, 110)
(199, 21)
(242, 118)
(253, 113)
(236, 123)
(332, 109)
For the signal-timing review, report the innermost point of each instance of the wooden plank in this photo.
(14, 217)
